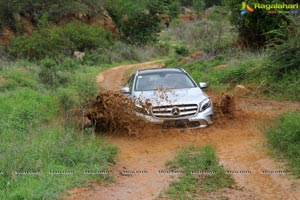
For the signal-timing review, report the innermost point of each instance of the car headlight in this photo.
(206, 103)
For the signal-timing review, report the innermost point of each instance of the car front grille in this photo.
(175, 111)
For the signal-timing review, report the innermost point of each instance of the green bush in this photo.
(170, 7)
(138, 21)
(69, 64)
(66, 99)
(42, 43)
(86, 37)
(140, 28)
(286, 58)
(85, 89)
(217, 13)
(182, 50)
(52, 75)
(287, 88)
(284, 139)
(57, 42)
(162, 48)
(235, 75)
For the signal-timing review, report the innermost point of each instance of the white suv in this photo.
(169, 96)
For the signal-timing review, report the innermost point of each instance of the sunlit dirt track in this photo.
(239, 143)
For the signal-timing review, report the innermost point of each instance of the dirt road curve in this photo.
(239, 143)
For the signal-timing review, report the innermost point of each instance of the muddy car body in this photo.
(169, 96)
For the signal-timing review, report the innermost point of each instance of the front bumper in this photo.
(199, 120)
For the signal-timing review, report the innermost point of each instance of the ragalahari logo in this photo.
(246, 8)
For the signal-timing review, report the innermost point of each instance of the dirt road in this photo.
(239, 143)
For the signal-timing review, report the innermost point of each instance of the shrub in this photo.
(218, 12)
(285, 88)
(69, 64)
(57, 42)
(138, 21)
(47, 74)
(182, 50)
(169, 7)
(140, 28)
(52, 75)
(235, 75)
(162, 48)
(85, 89)
(42, 43)
(286, 58)
(86, 37)
(123, 52)
(67, 101)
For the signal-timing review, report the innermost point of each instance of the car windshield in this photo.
(166, 81)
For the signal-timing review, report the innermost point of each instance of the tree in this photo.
(140, 28)
(254, 27)
(137, 21)
(170, 7)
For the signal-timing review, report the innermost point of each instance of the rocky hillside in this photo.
(24, 24)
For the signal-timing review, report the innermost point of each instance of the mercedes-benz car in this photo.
(169, 96)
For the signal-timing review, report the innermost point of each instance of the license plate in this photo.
(176, 123)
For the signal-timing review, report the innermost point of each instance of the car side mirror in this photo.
(125, 89)
(203, 85)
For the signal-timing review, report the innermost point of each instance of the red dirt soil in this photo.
(238, 140)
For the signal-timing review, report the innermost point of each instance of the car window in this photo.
(165, 80)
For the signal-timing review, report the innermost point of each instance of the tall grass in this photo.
(284, 139)
(34, 138)
(194, 160)
(120, 52)
(212, 34)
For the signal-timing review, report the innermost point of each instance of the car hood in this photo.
(172, 97)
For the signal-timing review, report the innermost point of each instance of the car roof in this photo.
(160, 70)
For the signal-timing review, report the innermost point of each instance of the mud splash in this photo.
(224, 108)
(113, 112)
